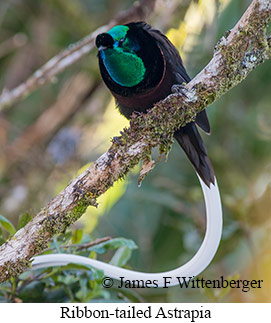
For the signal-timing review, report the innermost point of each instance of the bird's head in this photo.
(119, 53)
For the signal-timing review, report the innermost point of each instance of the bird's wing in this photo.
(172, 56)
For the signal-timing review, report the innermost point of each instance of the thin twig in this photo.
(82, 245)
(45, 74)
(89, 244)
(51, 119)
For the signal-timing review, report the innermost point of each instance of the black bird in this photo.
(140, 65)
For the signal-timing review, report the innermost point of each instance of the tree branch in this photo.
(67, 102)
(236, 54)
(139, 11)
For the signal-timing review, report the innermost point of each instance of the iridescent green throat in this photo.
(125, 68)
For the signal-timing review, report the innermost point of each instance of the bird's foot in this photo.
(190, 94)
(179, 88)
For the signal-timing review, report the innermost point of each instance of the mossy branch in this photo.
(235, 55)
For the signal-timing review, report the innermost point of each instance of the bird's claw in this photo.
(189, 94)
(179, 88)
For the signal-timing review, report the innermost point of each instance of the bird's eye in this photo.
(121, 41)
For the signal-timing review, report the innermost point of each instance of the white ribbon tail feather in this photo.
(193, 267)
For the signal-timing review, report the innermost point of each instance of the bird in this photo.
(140, 66)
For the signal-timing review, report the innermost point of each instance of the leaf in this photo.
(33, 292)
(24, 219)
(7, 225)
(96, 274)
(63, 238)
(83, 291)
(77, 236)
(74, 266)
(121, 256)
(92, 255)
(55, 244)
(2, 239)
(67, 279)
(114, 244)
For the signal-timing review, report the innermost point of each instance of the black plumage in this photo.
(164, 68)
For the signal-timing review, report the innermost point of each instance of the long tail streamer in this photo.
(193, 267)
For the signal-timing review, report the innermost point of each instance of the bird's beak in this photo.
(102, 48)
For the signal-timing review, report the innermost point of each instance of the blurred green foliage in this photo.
(165, 217)
(73, 282)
